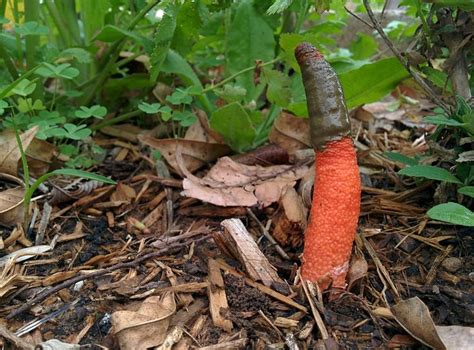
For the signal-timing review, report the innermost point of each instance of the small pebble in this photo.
(452, 264)
(471, 276)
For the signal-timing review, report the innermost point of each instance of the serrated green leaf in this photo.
(453, 213)
(397, 157)
(188, 25)
(279, 87)
(441, 120)
(234, 124)
(279, 6)
(430, 172)
(231, 93)
(84, 174)
(467, 190)
(163, 36)
(249, 39)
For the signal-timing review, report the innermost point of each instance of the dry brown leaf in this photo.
(146, 327)
(229, 183)
(10, 150)
(357, 270)
(413, 315)
(40, 155)
(123, 192)
(290, 132)
(11, 201)
(196, 154)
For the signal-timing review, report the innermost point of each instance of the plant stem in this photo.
(233, 76)
(32, 10)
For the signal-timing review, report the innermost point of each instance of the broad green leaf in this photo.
(93, 16)
(397, 157)
(453, 213)
(430, 172)
(467, 190)
(279, 87)
(84, 174)
(364, 47)
(441, 120)
(249, 39)
(371, 82)
(234, 124)
(31, 28)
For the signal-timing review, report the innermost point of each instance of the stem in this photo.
(32, 10)
(233, 76)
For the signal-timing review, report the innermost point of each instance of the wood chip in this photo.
(217, 297)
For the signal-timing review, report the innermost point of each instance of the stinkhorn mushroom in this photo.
(336, 195)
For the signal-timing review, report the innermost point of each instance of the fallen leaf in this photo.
(11, 201)
(55, 344)
(123, 192)
(457, 337)
(290, 132)
(10, 150)
(229, 183)
(413, 315)
(357, 270)
(40, 154)
(24, 254)
(196, 154)
(146, 327)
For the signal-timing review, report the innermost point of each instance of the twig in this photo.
(268, 236)
(358, 18)
(314, 310)
(46, 293)
(17, 341)
(428, 90)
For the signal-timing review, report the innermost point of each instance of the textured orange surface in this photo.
(334, 215)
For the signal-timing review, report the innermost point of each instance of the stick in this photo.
(428, 90)
(46, 293)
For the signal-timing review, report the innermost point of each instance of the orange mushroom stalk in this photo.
(336, 197)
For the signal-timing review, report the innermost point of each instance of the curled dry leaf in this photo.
(11, 200)
(357, 270)
(290, 132)
(73, 191)
(24, 254)
(413, 315)
(196, 154)
(229, 183)
(11, 152)
(146, 327)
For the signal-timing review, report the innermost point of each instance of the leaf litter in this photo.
(122, 265)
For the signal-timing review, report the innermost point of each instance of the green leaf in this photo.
(31, 28)
(84, 175)
(75, 132)
(467, 190)
(64, 71)
(79, 54)
(279, 6)
(24, 88)
(188, 24)
(234, 124)
(441, 120)
(364, 47)
(430, 172)
(397, 157)
(467, 5)
(249, 39)
(3, 105)
(453, 213)
(96, 111)
(179, 96)
(279, 87)
(438, 78)
(163, 36)
(231, 93)
(149, 108)
(372, 81)
(110, 33)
